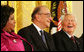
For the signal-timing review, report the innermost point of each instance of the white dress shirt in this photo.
(69, 35)
(38, 29)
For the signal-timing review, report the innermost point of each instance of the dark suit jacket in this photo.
(81, 42)
(64, 43)
(32, 35)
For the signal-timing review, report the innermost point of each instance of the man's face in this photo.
(45, 17)
(69, 24)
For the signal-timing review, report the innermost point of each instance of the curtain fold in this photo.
(23, 11)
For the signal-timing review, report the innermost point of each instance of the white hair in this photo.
(63, 16)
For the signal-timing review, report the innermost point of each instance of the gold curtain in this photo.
(3, 2)
(23, 10)
(69, 6)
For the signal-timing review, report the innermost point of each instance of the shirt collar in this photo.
(38, 29)
(68, 35)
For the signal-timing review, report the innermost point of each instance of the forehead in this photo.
(70, 17)
(44, 10)
(11, 16)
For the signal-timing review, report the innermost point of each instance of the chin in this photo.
(69, 30)
(12, 29)
(48, 26)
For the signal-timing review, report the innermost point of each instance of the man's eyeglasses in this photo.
(47, 14)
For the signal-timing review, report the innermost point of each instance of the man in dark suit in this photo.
(41, 18)
(64, 39)
(81, 42)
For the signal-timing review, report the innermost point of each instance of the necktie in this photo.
(43, 37)
(72, 38)
(76, 43)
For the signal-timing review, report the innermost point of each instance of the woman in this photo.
(9, 40)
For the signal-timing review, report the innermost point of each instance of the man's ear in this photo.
(37, 17)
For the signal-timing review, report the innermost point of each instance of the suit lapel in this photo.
(37, 38)
(47, 39)
(69, 41)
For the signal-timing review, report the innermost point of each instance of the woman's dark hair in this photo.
(6, 11)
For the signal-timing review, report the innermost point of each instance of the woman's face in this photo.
(10, 24)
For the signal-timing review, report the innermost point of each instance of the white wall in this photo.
(77, 11)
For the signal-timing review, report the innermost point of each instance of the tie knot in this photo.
(72, 38)
(41, 32)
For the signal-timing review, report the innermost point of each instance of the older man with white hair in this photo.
(65, 39)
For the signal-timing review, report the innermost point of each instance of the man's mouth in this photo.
(69, 26)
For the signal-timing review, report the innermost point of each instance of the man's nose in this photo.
(50, 18)
(69, 22)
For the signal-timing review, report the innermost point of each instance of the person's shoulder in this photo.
(26, 28)
(58, 33)
(76, 38)
(24, 31)
(81, 37)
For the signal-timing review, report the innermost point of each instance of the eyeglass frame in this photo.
(47, 14)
